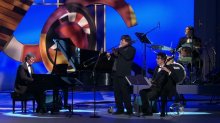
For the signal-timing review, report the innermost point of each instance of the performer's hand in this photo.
(172, 51)
(115, 51)
(108, 55)
(166, 69)
(121, 45)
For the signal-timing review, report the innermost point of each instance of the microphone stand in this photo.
(193, 78)
(209, 63)
(55, 95)
(55, 59)
(94, 88)
(72, 105)
(191, 71)
(158, 26)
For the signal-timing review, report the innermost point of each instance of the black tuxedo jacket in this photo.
(124, 60)
(196, 43)
(164, 82)
(23, 78)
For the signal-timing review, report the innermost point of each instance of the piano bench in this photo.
(23, 98)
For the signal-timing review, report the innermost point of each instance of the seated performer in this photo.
(163, 85)
(24, 83)
(190, 51)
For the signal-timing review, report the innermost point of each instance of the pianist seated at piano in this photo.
(24, 83)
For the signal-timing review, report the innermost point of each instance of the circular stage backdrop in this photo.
(71, 22)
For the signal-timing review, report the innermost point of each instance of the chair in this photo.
(23, 98)
(164, 103)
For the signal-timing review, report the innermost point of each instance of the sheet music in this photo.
(138, 82)
(148, 81)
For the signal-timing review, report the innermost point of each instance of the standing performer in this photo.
(123, 58)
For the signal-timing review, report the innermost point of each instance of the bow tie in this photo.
(29, 65)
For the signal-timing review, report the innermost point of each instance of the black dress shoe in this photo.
(67, 106)
(129, 113)
(118, 112)
(162, 115)
(42, 111)
(37, 110)
(147, 114)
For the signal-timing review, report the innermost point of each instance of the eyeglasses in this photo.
(31, 59)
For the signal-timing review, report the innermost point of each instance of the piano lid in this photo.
(70, 52)
(83, 59)
(60, 69)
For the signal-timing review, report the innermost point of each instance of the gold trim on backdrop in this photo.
(57, 3)
(95, 6)
(105, 28)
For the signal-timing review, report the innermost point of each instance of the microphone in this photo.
(85, 66)
(101, 51)
(55, 40)
(158, 25)
(133, 41)
(213, 50)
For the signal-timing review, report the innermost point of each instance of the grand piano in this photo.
(91, 68)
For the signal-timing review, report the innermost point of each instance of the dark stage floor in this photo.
(197, 110)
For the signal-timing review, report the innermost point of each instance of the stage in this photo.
(198, 109)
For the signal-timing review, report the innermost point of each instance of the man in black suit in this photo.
(190, 46)
(123, 59)
(163, 85)
(24, 83)
(191, 40)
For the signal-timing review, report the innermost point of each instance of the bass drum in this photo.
(180, 73)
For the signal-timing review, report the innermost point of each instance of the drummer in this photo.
(189, 45)
(189, 48)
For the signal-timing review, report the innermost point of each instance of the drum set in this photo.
(186, 62)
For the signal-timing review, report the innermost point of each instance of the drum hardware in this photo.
(180, 72)
(185, 60)
(188, 57)
(170, 60)
(177, 107)
(161, 47)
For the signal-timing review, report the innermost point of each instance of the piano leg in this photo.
(65, 97)
(72, 105)
(57, 99)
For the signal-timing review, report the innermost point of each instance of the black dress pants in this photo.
(147, 95)
(38, 94)
(122, 94)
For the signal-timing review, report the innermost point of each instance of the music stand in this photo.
(138, 82)
(72, 105)
(143, 39)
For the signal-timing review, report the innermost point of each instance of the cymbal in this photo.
(186, 45)
(160, 47)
